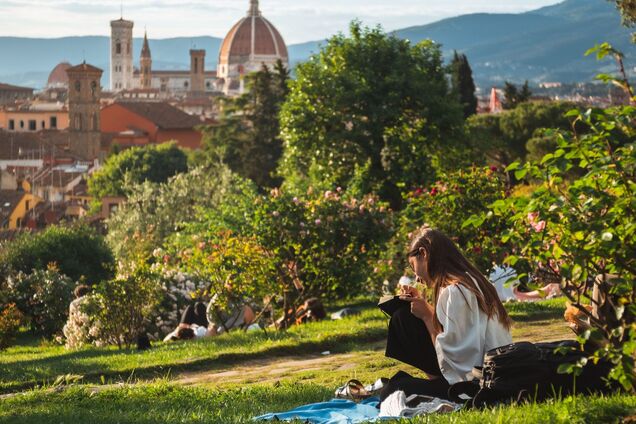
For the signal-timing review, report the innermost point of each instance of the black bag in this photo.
(390, 304)
(529, 371)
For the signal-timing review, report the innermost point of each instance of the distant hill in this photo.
(542, 45)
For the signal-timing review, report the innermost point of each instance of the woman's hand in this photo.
(409, 291)
(420, 308)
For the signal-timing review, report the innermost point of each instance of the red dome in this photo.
(252, 35)
(58, 75)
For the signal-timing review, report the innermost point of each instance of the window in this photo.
(53, 122)
(208, 85)
(185, 84)
(78, 86)
(21, 125)
(93, 88)
(32, 125)
(11, 124)
(95, 127)
(42, 125)
(78, 122)
(196, 65)
(117, 47)
(18, 222)
(26, 205)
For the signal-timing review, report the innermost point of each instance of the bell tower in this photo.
(84, 91)
(121, 57)
(197, 71)
(146, 64)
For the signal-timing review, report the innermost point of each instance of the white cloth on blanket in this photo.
(397, 404)
(467, 333)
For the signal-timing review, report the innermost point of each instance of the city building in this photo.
(137, 123)
(84, 110)
(121, 55)
(9, 94)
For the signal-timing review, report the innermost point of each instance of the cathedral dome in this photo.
(58, 76)
(252, 39)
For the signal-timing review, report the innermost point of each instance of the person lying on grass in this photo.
(447, 338)
(194, 322)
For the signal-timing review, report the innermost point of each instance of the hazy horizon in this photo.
(298, 22)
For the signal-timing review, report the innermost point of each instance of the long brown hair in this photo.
(446, 263)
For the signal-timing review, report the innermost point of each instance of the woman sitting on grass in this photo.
(448, 338)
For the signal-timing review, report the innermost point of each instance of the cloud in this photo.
(298, 21)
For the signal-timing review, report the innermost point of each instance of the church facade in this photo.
(250, 43)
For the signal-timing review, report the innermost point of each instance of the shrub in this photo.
(78, 252)
(446, 205)
(43, 297)
(10, 319)
(577, 229)
(120, 309)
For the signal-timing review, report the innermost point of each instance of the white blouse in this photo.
(467, 333)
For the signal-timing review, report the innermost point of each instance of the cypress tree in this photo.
(463, 84)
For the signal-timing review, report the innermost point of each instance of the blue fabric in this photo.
(335, 411)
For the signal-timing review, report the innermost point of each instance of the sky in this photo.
(297, 20)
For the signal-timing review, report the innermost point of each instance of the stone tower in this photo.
(121, 58)
(146, 65)
(84, 89)
(197, 71)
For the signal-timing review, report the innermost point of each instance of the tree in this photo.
(247, 138)
(78, 252)
(154, 163)
(503, 138)
(370, 101)
(463, 84)
(513, 96)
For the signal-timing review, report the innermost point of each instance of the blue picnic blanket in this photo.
(335, 411)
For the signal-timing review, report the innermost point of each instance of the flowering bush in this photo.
(119, 310)
(577, 228)
(295, 246)
(10, 319)
(80, 328)
(43, 298)
(456, 198)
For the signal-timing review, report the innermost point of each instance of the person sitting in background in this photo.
(311, 310)
(77, 327)
(504, 279)
(236, 315)
(193, 324)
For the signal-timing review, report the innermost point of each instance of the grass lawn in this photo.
(231, 378)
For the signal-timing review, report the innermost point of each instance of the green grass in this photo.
(165, 403)
(231, 378)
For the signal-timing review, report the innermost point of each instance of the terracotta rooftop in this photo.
(9, 87)
(163, 115)
(9, 199)
(84, 67)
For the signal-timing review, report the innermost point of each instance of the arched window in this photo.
(196, 65)
(117, 47)
(78, 86)
(185, 84)
(93, 88)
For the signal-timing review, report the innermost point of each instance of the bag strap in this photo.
(468, 389)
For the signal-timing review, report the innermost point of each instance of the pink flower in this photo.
(433, 191)
(339, 189)
(295, 200)
(275, 213)
(532, 217)
(493, 168)
(318, 221)
(328, 194)
(202, 245)
(418, 191)
(539, 226)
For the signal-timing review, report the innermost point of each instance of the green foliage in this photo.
(42, 297)
(10, 320)
(78, 252)
(120, 308)
(513, 96)
(457, 198)
(316, 244)
(463, 84)
(503, 138)
(586, 227)
(247, 137)
(154, 211)
(368, 98)
(154, 163)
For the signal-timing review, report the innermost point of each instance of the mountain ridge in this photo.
(545, 44)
